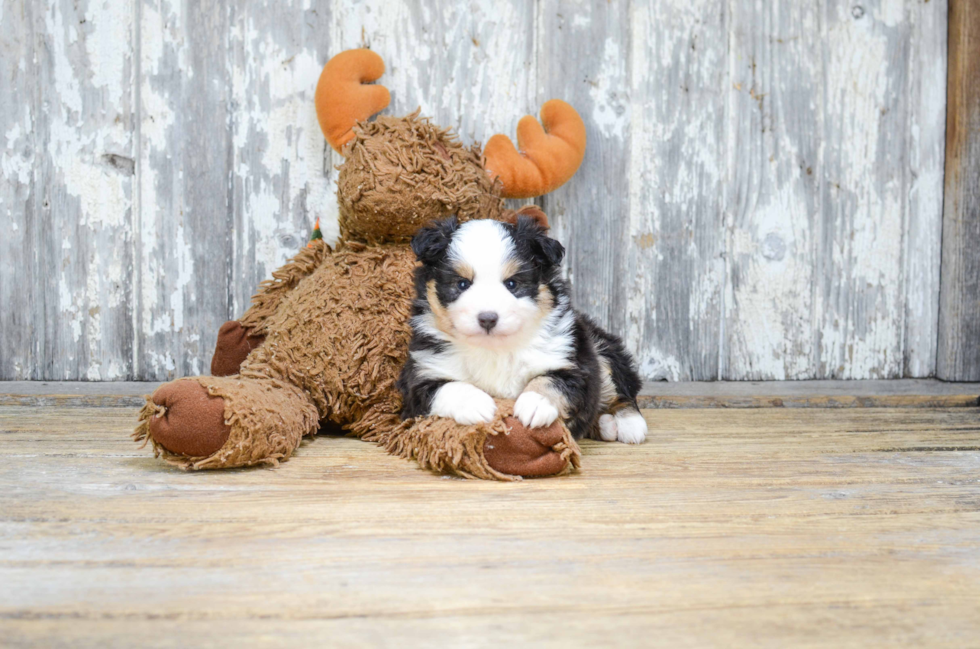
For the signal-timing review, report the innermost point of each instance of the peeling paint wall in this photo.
(761, 197)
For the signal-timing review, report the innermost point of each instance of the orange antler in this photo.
(343, 98)
(548, 157)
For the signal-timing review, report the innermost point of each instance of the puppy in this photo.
(492, 318)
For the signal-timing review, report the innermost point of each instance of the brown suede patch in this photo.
(233, 347)
(191, 422)
(527, 452)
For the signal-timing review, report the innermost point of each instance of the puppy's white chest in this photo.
(500, 375)
(505, 374)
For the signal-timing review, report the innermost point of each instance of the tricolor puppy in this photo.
(492, 319)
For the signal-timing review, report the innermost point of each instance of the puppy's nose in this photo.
(487, 320)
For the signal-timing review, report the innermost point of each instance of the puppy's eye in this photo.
(463, 284)
(510, 284)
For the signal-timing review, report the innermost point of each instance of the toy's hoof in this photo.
(233, 347)
(194, 421)
(525, 451)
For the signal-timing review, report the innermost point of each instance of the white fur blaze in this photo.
(463, 402)
(631, 427)
(535, 410)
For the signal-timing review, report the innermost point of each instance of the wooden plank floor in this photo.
(765, 526)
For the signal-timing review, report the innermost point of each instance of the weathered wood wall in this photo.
(761, 197)
(959, 306)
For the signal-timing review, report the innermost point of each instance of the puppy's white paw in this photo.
(608, 430)
(631, 427)
(465, 403)
(535, 410)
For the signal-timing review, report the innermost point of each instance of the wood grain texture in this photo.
(281, 170)
(590, 213)
(83, 186)
(678, 155)
(773, 204)
(771, 527)
(863, 193)
(18, 264)
(185, 224)
(959, 328)
(927, 147)
(466, 66)
(836, 201)
(759, 200)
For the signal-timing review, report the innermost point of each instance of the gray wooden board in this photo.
(760, 197)
(924, 231)
(82, 245)
(773, 203)
(185, 164)
(18, 113)
(598, 86)
(959, 332)
(836, 200)
(279, 168)
(678, 155)
(863, 190)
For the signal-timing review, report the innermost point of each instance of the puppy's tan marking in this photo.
(620, 405)
(464, 270)
(543, 386)
(511, 267)
(545, 300)
(440, 316)
(607, 393)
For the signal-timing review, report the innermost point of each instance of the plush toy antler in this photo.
(548, 156)
(343, 96)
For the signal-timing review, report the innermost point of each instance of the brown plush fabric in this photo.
(402, 173)
(233, 347)
(342, 334)
(271, 291)
(535, 212)
(237, 338)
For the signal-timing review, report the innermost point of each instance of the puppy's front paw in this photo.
(477, 408)
(608, 429)
(535, 410)
(631, 427)
(465, 403)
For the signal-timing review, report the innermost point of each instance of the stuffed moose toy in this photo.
(324, 340)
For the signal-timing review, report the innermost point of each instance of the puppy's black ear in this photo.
(546, 251)
(430, 243)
